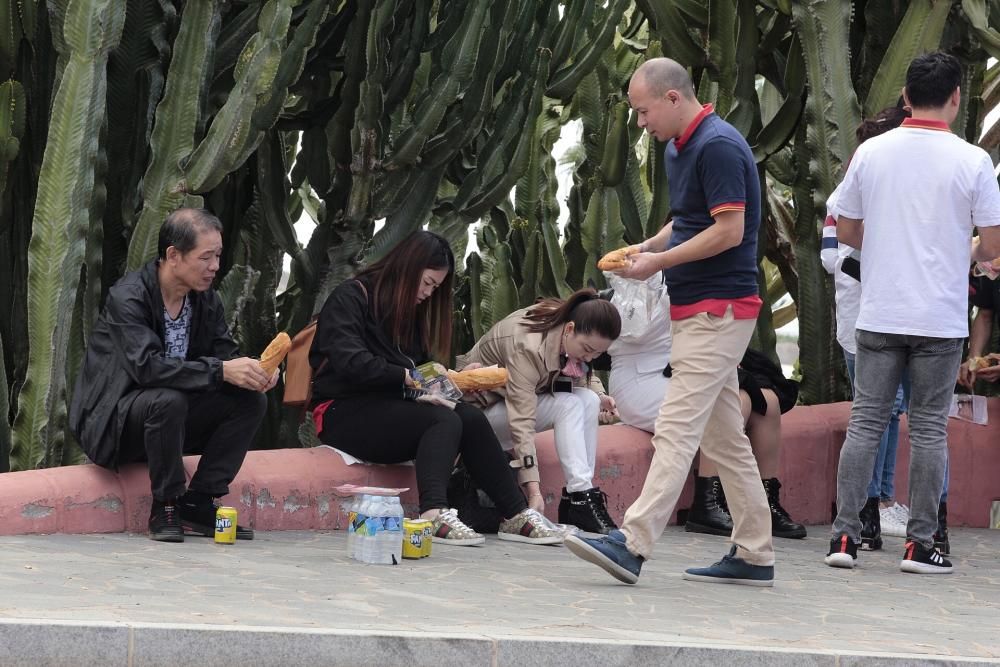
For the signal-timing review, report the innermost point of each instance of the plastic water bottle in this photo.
(368, 536)
(391, 537)
(352, 518)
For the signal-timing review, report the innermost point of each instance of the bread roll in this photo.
(275, 352)
(617, 259)
(479, 379)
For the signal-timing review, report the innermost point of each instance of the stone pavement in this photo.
(294, 598)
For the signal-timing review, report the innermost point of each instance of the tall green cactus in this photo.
(177, 117)
(66, 182)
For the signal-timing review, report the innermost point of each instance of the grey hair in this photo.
(181, 229)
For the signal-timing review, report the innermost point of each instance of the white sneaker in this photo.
(891, 525)
(902, 512)
(449, 529)
(530, 527)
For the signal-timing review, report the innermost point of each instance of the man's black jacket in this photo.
(125, 353)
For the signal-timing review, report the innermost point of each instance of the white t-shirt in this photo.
(847, 290)
(919, 191)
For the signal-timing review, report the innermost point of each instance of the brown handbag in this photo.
(298, 372)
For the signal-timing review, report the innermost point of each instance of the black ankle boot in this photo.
(708, 513)
(165, 522)
(587, 510)
(781, 523)
(871, 525)
(941, 534)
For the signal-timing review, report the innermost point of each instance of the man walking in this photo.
(913, 196)
(708, 253)
(162, 378)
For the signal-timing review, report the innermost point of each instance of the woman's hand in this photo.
(533, 494)
(473, 366)
(609, 410)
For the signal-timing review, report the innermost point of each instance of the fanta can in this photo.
(225, 525)
(413, 538)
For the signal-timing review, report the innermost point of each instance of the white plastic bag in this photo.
(636, 301)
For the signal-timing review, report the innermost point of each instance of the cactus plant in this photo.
(61, 220)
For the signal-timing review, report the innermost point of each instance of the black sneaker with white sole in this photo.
(843, 552)
(918, 559)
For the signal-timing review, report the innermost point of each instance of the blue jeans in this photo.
(933, 365)
(883, 476)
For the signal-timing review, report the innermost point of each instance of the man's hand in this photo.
(989, 374)
(966, 376)
(246, 373)
(642, 266)
(274, 380)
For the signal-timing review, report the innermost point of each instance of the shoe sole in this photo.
(591, 555)
(517, 537)
(915, 567)
(760, 583)
(843, 561)
(199, 530)
(791, 534)
(706, 530)
(167, 538)
(467, 542)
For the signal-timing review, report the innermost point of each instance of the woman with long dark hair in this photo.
(546, 350)
(372, 332)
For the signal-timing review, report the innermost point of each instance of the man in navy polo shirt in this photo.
(708, 254)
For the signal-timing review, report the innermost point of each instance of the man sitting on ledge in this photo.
(162, 377)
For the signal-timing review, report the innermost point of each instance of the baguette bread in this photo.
(617, 259)
(275, 353)
(479, 379)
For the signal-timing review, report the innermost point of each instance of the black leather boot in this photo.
(941, 534)
(708, 513)
(781, 523)
(587, 510)
(871, 525)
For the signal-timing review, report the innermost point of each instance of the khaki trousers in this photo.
(703, 399)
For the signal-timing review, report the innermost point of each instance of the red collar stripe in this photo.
(926, 124)
(728, 206)
(682, 140)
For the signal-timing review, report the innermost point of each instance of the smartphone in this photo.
(852, 267)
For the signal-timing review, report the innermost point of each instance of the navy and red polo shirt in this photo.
(710, 170)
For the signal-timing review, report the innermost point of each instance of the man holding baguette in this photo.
(162, 377)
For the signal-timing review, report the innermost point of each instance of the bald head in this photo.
(660, 75)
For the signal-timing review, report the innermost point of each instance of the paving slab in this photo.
(295, 598)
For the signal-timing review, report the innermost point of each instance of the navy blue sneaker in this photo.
(733, 570)
(608, 552)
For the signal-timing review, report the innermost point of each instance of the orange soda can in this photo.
(225, 525)
(413, 538)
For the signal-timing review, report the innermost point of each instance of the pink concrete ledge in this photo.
(292, 489)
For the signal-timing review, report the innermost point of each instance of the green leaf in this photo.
(919, 32)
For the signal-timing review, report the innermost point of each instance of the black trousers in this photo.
(391, 430)
(165, 424)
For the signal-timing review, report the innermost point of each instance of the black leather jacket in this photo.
(125, 353)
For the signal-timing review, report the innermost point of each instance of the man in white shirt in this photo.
(913, 196)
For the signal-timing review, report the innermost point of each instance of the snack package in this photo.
(432, 378)
(970, 408)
